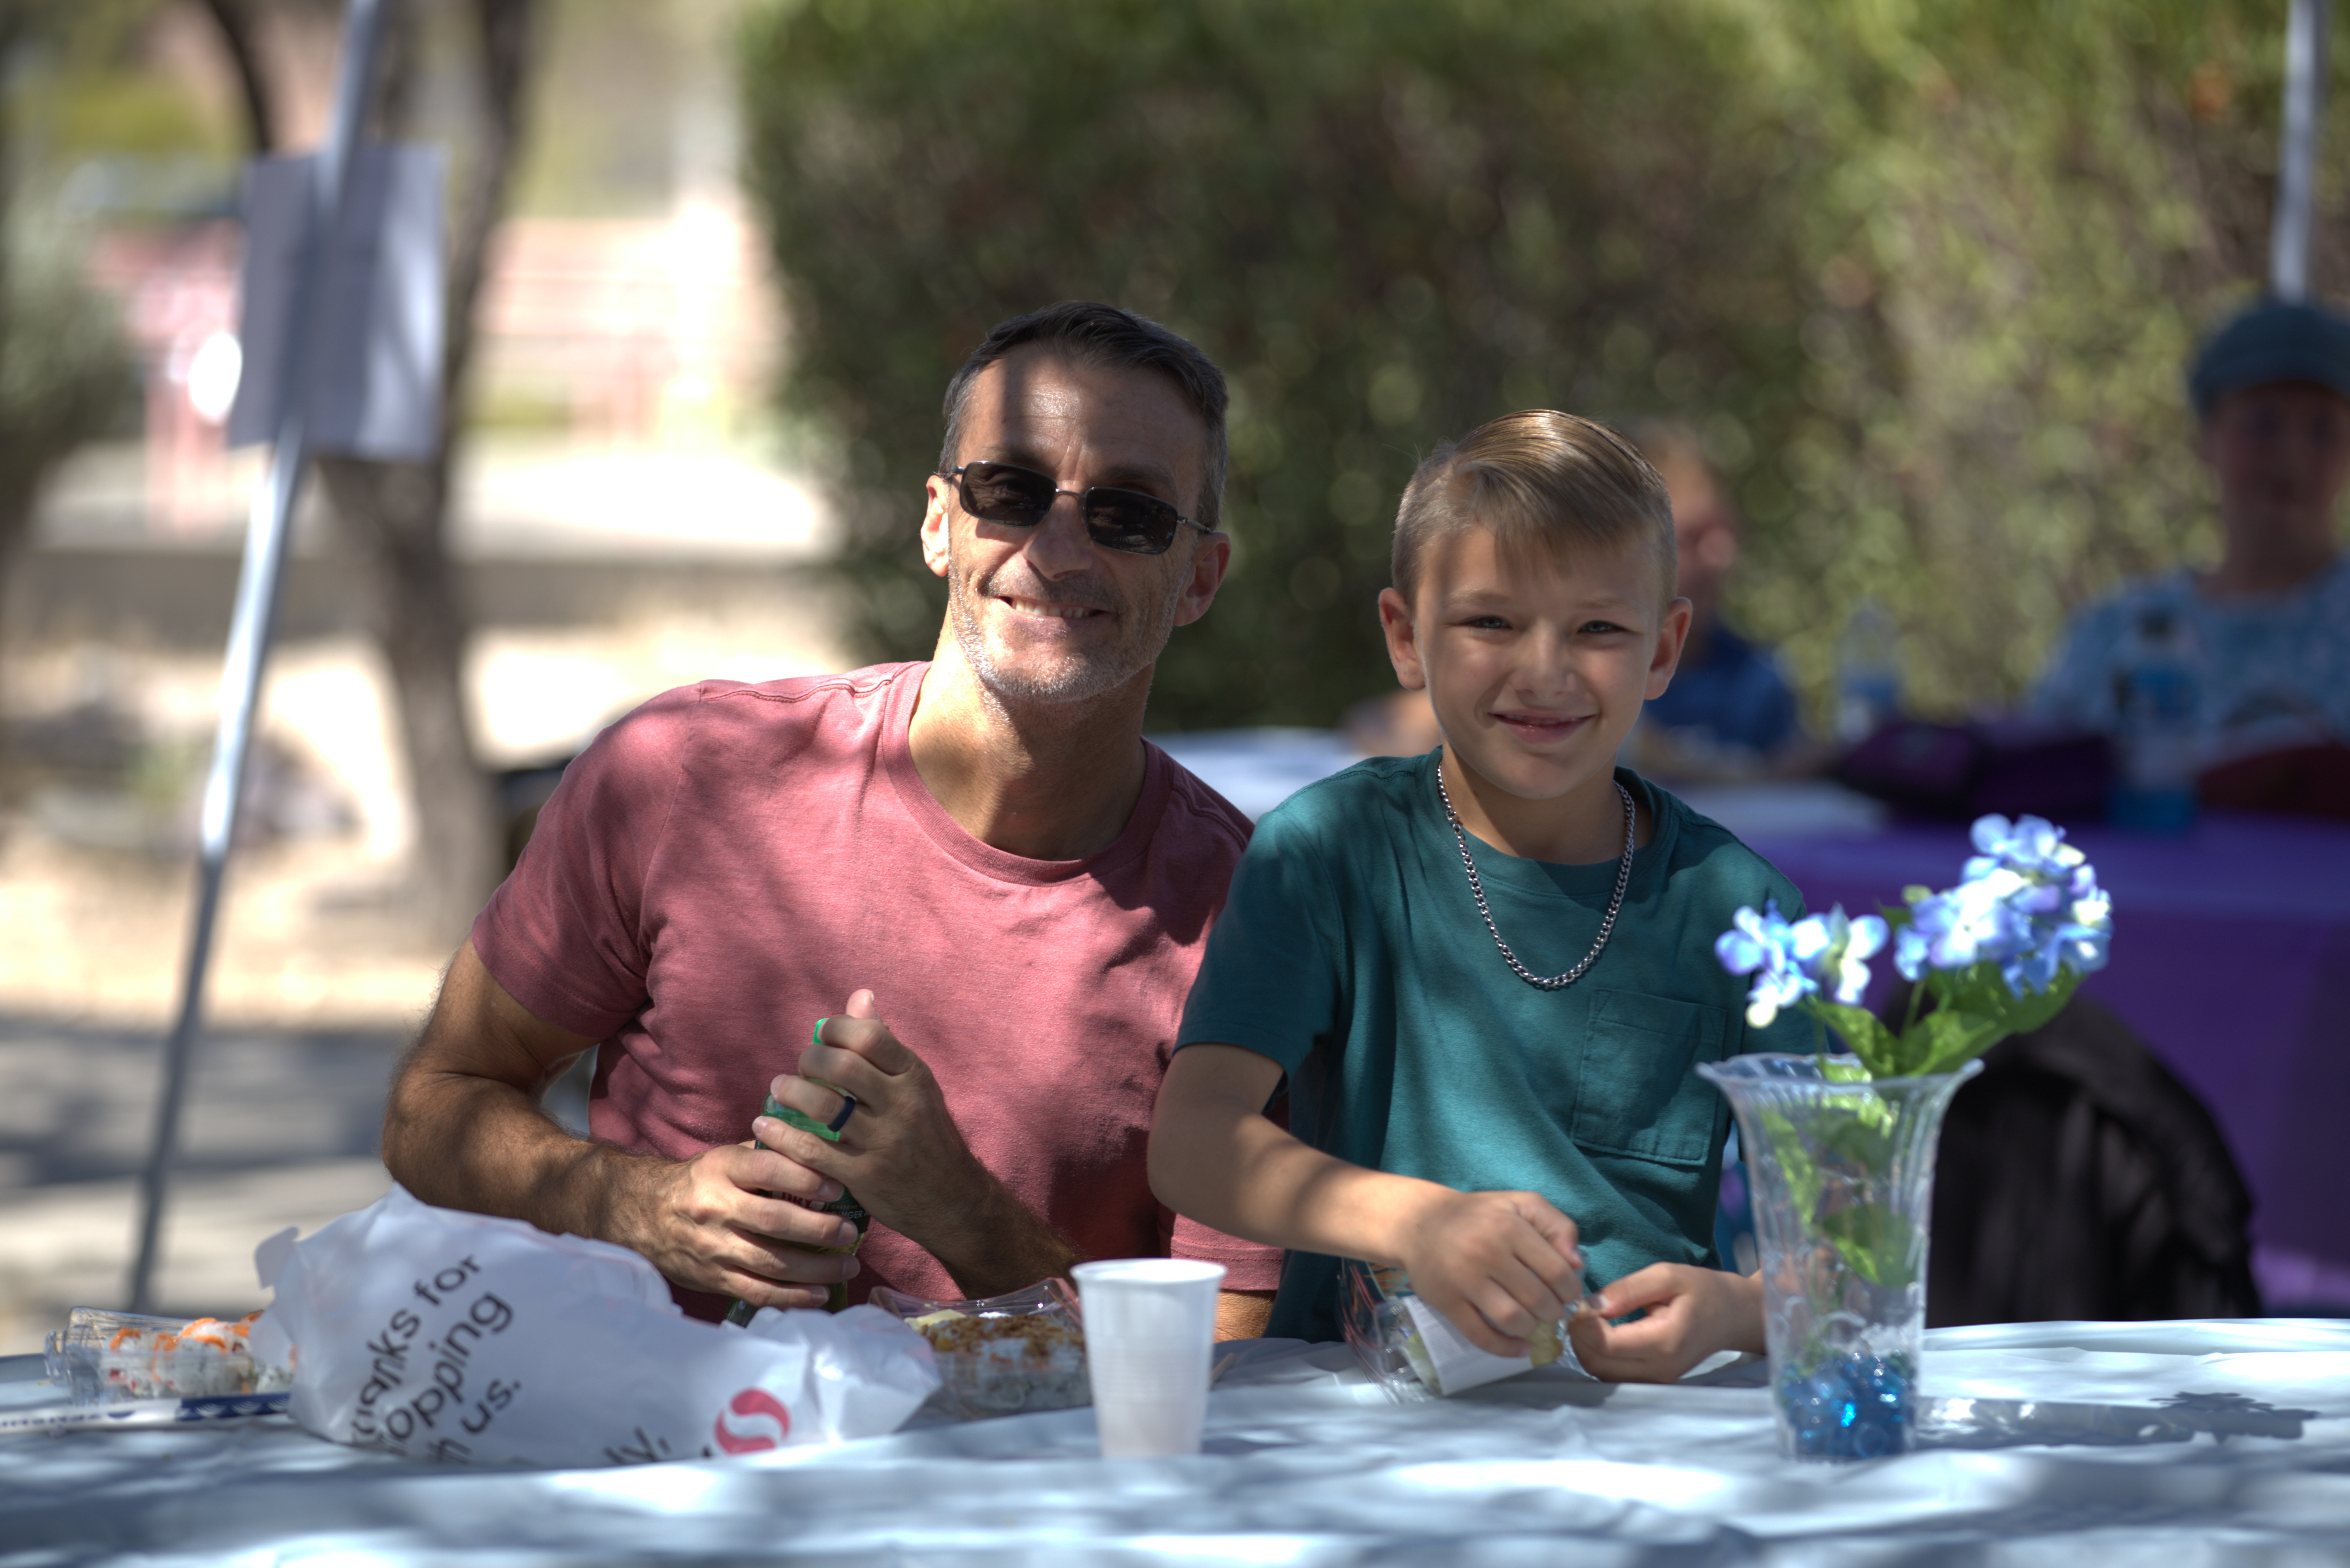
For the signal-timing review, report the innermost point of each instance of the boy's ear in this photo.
(1672, 636)
(1403, 640)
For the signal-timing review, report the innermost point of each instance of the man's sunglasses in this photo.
(1116, 519)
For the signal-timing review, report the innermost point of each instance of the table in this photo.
(2053, 1442)
(2232, 957)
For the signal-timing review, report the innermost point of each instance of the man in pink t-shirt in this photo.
(972, 881)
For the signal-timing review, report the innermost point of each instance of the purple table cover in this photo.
(2232, 957)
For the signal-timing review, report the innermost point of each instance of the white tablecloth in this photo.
(2075, 1443)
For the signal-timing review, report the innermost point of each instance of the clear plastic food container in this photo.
(1004, 1355)
(1412, 1352)
(108, 1356)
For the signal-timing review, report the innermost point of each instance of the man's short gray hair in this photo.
(1084, 333)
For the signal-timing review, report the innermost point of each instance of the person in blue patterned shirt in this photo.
(1728, 705)
(2270, 627)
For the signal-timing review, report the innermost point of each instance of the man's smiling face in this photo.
(1537, 670)
(1043, 613)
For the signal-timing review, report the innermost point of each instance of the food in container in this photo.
(106, 1357)
(1003, 1356)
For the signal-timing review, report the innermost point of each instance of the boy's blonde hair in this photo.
(1547, 485)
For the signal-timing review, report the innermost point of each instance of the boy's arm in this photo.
(1495, 1264)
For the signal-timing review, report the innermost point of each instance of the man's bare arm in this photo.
(464, 1129)
(1243, 1314)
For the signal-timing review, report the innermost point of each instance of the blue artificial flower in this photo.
(2027, 901)
(1972, 921)
(1764, 946)
(1793, 961)
(2029, 847)
(1850, 944)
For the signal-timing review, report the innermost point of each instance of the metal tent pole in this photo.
(2305, 106)
(257, 605)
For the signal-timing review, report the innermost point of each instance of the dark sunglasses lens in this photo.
(1117, 519)
(1130, 521)
(1001, 494)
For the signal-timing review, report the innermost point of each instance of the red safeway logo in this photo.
(752, 1421)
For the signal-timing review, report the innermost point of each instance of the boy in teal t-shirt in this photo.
(1487, 974)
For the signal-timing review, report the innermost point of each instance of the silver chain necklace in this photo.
(1477, 892)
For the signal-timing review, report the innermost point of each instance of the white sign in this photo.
(375, 367)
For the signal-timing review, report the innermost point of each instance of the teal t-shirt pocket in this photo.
(1638, 1092)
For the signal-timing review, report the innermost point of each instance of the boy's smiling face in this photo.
(1536, 668)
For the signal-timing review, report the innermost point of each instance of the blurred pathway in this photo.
(281, 1129)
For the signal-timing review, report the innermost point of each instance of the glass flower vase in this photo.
(1842, 1173)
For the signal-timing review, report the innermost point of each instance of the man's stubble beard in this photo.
(1079, 677)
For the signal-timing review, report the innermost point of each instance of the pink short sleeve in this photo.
(565, 934)
(1248, 1265)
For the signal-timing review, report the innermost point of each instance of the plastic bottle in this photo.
(2157, 694)
(1868, 672)
(843, 1206)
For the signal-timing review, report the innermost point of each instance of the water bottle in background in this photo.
(2157, 694)
(1868, 672)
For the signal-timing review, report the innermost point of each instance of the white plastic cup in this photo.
(1150, 1324)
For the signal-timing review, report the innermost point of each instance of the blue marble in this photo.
(1850, 1408)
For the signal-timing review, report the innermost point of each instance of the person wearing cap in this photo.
(2269, 626)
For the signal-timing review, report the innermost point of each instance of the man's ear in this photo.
(1672, 635)
(1403, 642)
(1211, 557)
(938, 523)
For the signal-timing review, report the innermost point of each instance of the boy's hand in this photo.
(1495, 1264)
(1691, 1313)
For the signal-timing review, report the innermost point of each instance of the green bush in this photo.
(65, 377)
(1921, 275)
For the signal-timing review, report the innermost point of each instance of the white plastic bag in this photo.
(443, 1334)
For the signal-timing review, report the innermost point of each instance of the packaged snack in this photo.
(108, 1356)
(1412, 1350)
(1004, 1355)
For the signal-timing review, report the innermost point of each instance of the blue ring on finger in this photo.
(848, 1109)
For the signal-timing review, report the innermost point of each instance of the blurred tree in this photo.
(1923, 274)
(1387, 220)
(234, 19)
(2036, 210)
(64, 369)
(395, 514)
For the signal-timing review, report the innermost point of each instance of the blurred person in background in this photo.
(2266, 634)
(1401, 724)
(735, 884)
(1728, 711)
